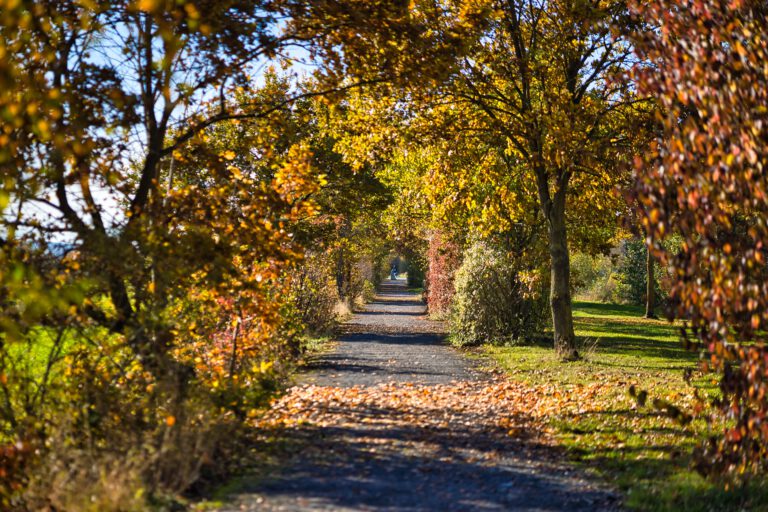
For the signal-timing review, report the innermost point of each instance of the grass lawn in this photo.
(646, 454)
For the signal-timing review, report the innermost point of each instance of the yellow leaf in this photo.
(147, 5)
(236, 173)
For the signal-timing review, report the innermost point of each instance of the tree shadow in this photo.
(387, 302)
(390, 459)
(409, 338)
(364, 313)
(608, 309)
(629, 334)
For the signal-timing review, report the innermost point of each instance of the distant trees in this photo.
(499, 297)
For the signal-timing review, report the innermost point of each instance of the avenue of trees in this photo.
(191, 190)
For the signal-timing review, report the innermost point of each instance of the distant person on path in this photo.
(393, 273)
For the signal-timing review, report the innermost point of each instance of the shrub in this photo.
(313, 296)
(350, 269)
(585, 271)
(416, 265)
(498, 299)
(593, 278)
(85, 427)
(605, 289)
(444, 258)
(632, 273)
(369, 291)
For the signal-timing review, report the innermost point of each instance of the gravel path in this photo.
(395, 420)
(392, 340)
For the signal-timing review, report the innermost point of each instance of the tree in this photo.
(705, 179)
(145, 140)
(103, 103)
(539, 77)
(650, 285)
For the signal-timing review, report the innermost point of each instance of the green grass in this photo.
(645, 454)
(315, 345)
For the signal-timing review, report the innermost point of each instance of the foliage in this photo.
(620, 278)
(705, 179)
(444, 258)
(177, 216)
(152, 191)
(539, 83)
(593, 277)
(523, 126)
(369, 291)
(416, 266)
(312, 296)
(499, 298)
(407, 218)
(632, 272)
(349, 229)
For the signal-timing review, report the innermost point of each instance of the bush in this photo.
(593, 278)
(606, 288)
(313, 296)
(632, 273)
(444, 258)
(623, 279)
(416, 265)
(585, 271)
(369, 291)
(498, 300)
(86, 427)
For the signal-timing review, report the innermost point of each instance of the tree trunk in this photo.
(340, 273)
(560, 284)
(650, 286)
(553, 208)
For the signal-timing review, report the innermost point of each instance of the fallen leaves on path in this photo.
(447, 446)
(497, 405)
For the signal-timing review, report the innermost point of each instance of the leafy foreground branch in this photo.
(159, 189)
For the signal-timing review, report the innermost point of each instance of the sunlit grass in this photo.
(647, 455)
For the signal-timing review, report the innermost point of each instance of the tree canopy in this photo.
(194, 191)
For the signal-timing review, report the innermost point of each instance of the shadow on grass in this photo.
(607, 309)
(642, 451)
(630, 342)
(622, 331)
(666, 484)
(651, 462)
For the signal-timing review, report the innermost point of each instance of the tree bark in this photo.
(650, 286)
(553, 208)
(560, 285)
